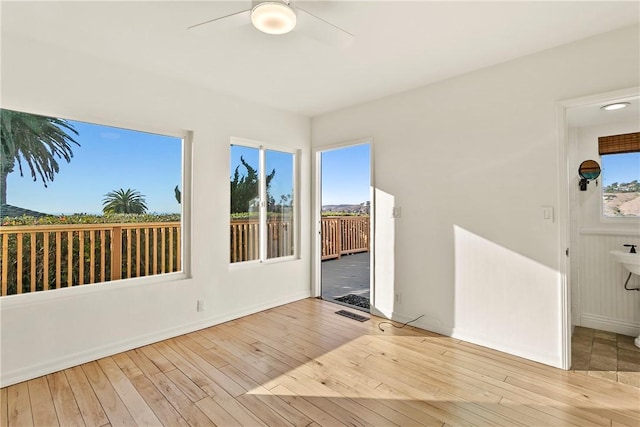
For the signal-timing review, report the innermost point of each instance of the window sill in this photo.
(609, 231)
(31, 298)
(256, 263)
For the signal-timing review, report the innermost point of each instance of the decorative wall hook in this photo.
(588, 170)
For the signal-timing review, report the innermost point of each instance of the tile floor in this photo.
(605, 354)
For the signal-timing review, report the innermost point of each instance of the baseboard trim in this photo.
(554, 360)
(433, 324)
(609, 324)
(428, 323)
(35, 371)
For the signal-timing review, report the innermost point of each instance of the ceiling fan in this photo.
(278, 17)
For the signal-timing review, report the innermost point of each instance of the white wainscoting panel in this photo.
(604, 303)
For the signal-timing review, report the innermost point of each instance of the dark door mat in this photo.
(351, 315)
(356, 300)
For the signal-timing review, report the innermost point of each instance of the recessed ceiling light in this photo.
(273, 17)
(616, 106)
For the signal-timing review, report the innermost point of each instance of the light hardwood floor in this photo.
(303, 365)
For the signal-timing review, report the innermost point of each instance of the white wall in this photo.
(51, 330)
(471, 161)
(599, 299)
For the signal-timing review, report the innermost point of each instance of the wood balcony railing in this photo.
(344, 235)
(42, 257)
(340, 235)
(245, 243)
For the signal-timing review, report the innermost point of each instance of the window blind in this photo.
(618, 144)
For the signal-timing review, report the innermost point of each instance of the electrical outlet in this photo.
(200, 306)
(398, 298)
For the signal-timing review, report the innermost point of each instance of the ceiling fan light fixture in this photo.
(273, 17)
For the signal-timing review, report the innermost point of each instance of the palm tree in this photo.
(35, 140)
(124, 202)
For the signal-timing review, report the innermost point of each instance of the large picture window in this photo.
(83, 203)
(262, 223)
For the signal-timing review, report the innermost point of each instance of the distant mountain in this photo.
(362, 208)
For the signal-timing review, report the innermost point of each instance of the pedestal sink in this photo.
(632, 263)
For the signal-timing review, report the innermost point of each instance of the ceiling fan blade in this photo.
(321, 30)
(223, 23)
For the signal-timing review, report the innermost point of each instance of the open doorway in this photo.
(345, 225)
(602, 216)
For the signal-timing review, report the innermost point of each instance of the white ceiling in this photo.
(398, 45)
(594, 115)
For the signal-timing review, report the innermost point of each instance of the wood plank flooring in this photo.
(302, 365)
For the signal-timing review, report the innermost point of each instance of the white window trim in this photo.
(29, 298)
(626, 220)
(263, 148)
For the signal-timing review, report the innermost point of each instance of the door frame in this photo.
(316, 252)
(564, 206)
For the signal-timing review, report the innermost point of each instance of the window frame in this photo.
(612, 219)
(262, 236)
(186, 164)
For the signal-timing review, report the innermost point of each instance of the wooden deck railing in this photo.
(245, 244)
(340, 235)
(41, 257)
(344, 235)
(45, 257)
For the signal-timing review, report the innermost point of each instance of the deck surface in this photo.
(347, 275)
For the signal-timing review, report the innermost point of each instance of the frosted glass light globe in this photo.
(273, 18)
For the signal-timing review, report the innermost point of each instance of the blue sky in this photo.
(620, 168)
(345, 172)
(111, 158)
(345, 175)
(282, 182)
(107, 159)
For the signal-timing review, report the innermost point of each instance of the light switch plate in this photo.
(547, 213)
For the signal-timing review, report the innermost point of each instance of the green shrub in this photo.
(89, 219)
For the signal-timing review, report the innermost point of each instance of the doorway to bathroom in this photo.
(345, 204)
(602, 215)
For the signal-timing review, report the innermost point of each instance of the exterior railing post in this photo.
(368, 236)
(339, 238)
(116, 253)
